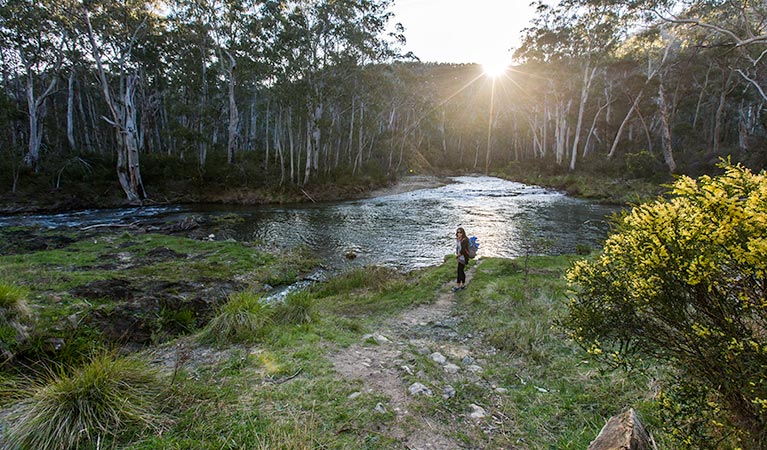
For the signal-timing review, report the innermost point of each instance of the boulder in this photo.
(623, 432)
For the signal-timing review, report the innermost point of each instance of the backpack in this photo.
(473, 246)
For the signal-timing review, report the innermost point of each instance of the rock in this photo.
(380, 408)
(623, 432)
(467, 361)
(474, 368)
(354, 395)
(451, 368)
(438, 358)
(477, 412)
(377, 338)
(501, 390)
(448, 392)
(418, 389)
(424, 351)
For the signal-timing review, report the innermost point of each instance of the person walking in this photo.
(462, 257)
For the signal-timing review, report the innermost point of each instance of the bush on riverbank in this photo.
(682, 281)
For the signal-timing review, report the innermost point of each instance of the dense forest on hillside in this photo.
(225, 94)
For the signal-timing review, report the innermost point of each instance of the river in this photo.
(403, 230)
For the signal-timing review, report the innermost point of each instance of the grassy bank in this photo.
(278, 383)
(606, 186)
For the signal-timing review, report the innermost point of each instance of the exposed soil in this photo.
(387, 364)
(131, 316)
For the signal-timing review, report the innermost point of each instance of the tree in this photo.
(683, 281)
(739, 25)
(35, 32)
(118, 36)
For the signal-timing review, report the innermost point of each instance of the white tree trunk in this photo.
(668, 153)
(234, 115)
(71, 110)
(623, 125)
(124, 122)
(587, 79)
(36, 111)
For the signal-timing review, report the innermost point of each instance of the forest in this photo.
(143, 100)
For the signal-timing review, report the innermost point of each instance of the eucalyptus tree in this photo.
(573, 34)
(234, 29)
(191, 77)
(33, 38)
(117, 32)
(322, 42)
(740, 25)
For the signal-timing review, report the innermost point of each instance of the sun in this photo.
(495, 68)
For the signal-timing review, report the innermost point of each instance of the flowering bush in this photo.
(683, 280)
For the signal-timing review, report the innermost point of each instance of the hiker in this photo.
(462, 256)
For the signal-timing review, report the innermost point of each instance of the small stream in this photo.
(404, 231)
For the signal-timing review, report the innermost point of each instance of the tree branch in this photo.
(754, 83)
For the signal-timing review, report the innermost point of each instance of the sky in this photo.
(462, 31)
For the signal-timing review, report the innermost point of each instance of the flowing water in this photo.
(405, 231)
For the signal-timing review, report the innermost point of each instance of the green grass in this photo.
(13, 300)
(52, 272)
(244, 318)
(87, 405)
(259, 376)
(557, 396)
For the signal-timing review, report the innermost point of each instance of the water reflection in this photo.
(405, 231)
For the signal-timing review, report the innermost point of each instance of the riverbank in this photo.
(598, 188)
(39, 199)
(370, 359)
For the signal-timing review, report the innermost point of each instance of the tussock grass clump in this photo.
(298, 308)
(13, 301)
(13, 311)
(243, 318)
(87, 405)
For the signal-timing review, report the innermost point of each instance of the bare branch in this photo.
(754, 83)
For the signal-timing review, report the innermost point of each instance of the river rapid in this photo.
(403, 230)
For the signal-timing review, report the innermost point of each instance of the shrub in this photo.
(241, 319)
(96, 401)
(642, 164)
(682, 280)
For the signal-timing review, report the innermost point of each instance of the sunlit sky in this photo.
(462, 31)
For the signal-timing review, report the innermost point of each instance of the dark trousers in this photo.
(461, 273)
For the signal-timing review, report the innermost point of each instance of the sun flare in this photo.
(494, 69)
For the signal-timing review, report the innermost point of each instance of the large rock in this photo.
(623, 432)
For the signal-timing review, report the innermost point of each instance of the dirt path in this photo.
(388, 360)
